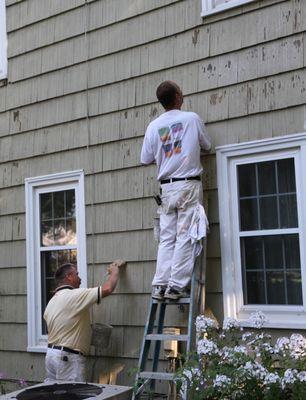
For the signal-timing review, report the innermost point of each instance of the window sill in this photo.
(223, 7)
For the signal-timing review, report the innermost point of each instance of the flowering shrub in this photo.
(235, 365)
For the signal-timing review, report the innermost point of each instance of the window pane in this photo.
(276, 288)
(253, 253)
(292, 252)
(274, 252)
(248, 215)
(59, 229)
(46, 206)
(70, 203)
(255, 288)
(47, 234)
(266, 178)
(268, 212)
(247, 180)
(294, 288)
(59, 204)
(288, 211)
(286, 176)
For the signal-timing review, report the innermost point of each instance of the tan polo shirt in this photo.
(68, 318)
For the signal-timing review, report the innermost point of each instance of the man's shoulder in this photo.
(191, 115)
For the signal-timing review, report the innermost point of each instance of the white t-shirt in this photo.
(68, 318)
(174, 141)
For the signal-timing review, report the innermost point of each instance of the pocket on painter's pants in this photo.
(156, 228)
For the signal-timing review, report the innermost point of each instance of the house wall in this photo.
(81, 83)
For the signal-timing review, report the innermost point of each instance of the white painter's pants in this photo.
(176, 252)
(63, 366)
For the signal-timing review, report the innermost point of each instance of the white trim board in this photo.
(3, 41)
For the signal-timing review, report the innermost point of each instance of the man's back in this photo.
(174, 141)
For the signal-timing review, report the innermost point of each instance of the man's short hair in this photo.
(166, 94)
(62, 272)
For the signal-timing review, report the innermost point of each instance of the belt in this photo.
(63, 348)
(190, 178)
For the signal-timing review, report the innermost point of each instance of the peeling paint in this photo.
(195, 36)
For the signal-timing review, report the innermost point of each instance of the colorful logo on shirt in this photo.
(177, 146)
(167, 149)
(176, 128)
(164, 134)
(171, 138)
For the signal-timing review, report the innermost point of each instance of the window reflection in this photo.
(58, 223)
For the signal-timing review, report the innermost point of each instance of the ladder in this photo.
(196, 304)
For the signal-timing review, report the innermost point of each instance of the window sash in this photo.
(34, 187)
(228, 157)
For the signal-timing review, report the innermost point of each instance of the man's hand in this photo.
(113, 270)
(115, 265)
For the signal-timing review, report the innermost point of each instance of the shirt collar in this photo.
(64, 287)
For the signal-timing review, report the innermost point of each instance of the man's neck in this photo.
(64, 286)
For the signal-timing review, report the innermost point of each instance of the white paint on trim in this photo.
(33, 187)
(228, 157)
(3, 41)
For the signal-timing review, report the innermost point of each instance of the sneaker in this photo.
(174, 294)
(158, 292)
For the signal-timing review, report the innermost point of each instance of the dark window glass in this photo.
(248, 215)
(276, 288)
(272, 265)
(253, 253)
(266, 178)
(294, 287)
(286, 176)
(268, 212)
(255, 288)
(247, 180)
(274, 252)
(292, 252)
(46, 206)
(288, 211)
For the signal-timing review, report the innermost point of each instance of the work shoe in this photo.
(158, 292)
(175, 294)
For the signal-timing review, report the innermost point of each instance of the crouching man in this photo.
(68, 322)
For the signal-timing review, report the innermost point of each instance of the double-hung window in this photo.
(3, 41)
(55, 215)
(262, 190)
(215, 6)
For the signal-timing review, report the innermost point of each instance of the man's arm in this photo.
(147, 153)
(204, 139)
(109, 286)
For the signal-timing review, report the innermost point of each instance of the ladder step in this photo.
(179, 338)
(165, 376)
(182, 300)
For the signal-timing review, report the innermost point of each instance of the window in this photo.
(3, 42)
(55, 216)
(215, 6)
(262, 224)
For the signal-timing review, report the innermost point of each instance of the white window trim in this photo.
(208, 7)
(227, 159)
(3, 41)
(33, 186)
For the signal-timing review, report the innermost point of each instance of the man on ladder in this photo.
(174, 141)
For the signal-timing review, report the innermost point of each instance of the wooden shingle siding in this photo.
(81, 90)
